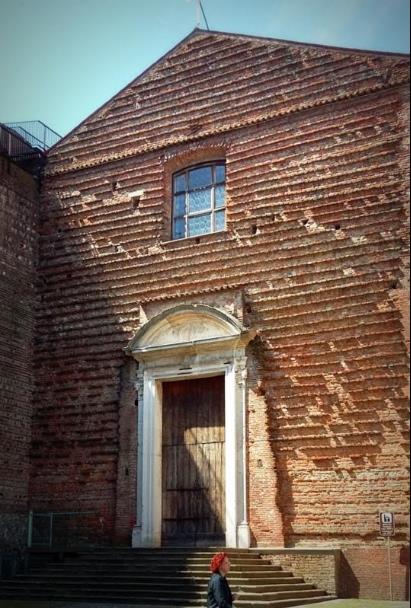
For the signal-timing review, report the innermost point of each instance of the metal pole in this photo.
(30, 530)
(51, 531)
(198, 13)
(390, 569)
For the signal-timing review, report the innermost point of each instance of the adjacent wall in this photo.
(18, 255)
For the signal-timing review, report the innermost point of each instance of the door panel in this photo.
(193, 461)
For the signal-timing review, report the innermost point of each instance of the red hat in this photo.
(217, 561)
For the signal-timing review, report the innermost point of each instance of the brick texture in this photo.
(364, 573)
(18, 254)
(319, 568)
(315, 142)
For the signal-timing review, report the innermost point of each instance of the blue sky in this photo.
(62, 59)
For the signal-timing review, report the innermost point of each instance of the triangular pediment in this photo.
(213, 82)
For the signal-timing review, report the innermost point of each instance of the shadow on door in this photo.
(193, 483)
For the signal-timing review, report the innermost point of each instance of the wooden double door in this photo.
(193, 471)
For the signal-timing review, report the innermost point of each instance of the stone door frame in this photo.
(210, 355)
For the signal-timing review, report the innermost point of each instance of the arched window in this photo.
(199, 202)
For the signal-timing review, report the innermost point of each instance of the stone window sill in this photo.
(202, 238)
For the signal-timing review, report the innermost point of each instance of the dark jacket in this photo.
(219, 593)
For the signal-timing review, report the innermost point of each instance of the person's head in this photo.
(220, 563)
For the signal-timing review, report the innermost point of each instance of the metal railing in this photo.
(15, 147)
(61, 529)
(35, 133)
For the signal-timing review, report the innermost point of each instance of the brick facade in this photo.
(18, 255)
(315, 142)
(364, 573)
(319, 567)
(356, 571)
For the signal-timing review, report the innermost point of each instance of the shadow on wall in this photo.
(405, 561)
(349, 587)
(325, 434)
(82, 327)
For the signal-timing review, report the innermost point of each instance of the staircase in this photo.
(159, 577)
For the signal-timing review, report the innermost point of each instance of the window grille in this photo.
(199, 200)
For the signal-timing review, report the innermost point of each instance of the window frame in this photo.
(211, 212)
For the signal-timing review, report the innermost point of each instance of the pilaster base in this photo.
(244, 536)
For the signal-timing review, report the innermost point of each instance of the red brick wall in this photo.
(18, 255)
(315, 241)
(317, 567)
(365, 573)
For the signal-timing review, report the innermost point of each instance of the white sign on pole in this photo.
(387, 529)
(387, 524)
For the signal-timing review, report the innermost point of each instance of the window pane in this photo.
(220, 220)
(199, 225)
(220, 174)
(199, 200)
(179, 205)
(179, 229)
(219, 196)
(199, 178)
(180, 183)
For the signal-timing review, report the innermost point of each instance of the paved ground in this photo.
(360, 604)
(335, 604)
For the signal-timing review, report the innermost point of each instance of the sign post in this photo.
(387, 530)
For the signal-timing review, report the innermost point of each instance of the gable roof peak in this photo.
(213, 36)
(201, 31)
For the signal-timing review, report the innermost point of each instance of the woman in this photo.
(219, 593)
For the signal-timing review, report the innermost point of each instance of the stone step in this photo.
(178, 590)
(261, 565)
(169, 569)
(248, 559)
(166, 549)
(156, 553)
(123, 579)
(160, 585)
(282, 595)
(155, 601)
(109, 559)
(253, 564)
(158, 578)
(208, 553)
(160, 573)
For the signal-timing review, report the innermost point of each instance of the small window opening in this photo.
(199, 200)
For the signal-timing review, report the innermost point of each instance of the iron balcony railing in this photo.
(26, 141)
(35, 133)
(15, 147)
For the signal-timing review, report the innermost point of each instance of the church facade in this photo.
(221, 343)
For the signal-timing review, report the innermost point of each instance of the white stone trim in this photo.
(224, 355)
